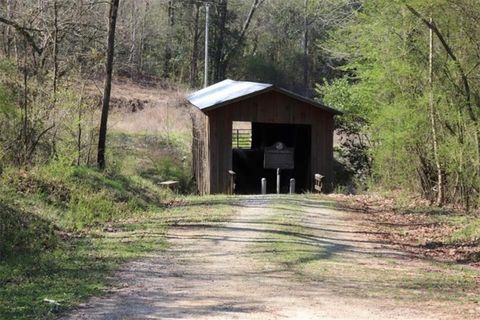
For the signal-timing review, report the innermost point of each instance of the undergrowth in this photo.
(63, 269)
(65, 228)
(454, 227)
(328, 255)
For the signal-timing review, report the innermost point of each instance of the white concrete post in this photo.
(292, 186)
(264, 185)
(278, 181)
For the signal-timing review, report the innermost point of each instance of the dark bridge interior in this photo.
(248, 163)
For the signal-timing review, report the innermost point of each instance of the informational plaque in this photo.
(278, 156)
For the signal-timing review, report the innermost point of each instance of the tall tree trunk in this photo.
(218, 74)
(207, 28)
(8, 34)
(235, 48)
(433, 122)
(168, 46)
(55, 51)
(305, 48)
(196, 36)
(133, 35)
(25, 103)
(14, 40)
(55, 73)
(467, 93)
(112, 22)
(141, 46)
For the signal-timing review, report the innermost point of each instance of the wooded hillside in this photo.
(405, 73)
(93, 119)
(52, 49)
(411, 91)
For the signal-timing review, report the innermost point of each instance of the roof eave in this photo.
(276, 89)
(223, 103)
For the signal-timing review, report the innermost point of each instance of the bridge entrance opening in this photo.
(249, 143)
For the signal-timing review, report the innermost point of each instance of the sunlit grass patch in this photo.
(285, 244)
(154, 157)
(469, 232)
(194, 209)
(42, 284)
(65, 227)
(315, 256)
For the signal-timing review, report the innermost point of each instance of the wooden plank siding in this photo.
(269, 107)
(200, 141)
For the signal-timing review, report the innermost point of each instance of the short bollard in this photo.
(264, 186)
(292, 186)
(278, 181)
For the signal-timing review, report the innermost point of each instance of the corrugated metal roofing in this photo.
(226, 91)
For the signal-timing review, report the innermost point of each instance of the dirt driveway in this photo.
(280, 258)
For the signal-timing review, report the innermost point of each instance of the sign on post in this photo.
(278, 156)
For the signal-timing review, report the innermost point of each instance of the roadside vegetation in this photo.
(410, 126)
(441, 234)
(341, 258)
(410, 100)
(64, 230)
(404, 72)
(62, 268)
(65, 227)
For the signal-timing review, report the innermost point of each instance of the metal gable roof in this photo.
(224, 91)
(228, 91)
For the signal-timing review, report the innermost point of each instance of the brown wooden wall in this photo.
(269, 107)
(200, 155)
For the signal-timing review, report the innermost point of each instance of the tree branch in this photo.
(246, 24)
(35, 143)
(451, 54)
(23, 31)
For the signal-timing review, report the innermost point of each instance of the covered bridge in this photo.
(251, 129)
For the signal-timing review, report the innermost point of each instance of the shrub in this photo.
(89, 209)
(169, 169)
(19, 228)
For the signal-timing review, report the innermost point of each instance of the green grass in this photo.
(242, 139)
(79, 197)
(321, 259)
(467, 226)
(154, 158)
(67, 275)
(78, 267)
(64, 229)
(285, 248)
(468, 233)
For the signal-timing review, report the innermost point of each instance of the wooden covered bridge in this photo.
(251, 129)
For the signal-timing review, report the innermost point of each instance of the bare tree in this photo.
(112, 21)
(305, 48)
(241, 39)
(168, 46)
(195, 49)
(433, 122)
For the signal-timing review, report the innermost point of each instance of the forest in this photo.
(77, 157)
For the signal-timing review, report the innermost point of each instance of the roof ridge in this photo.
(229, 91)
